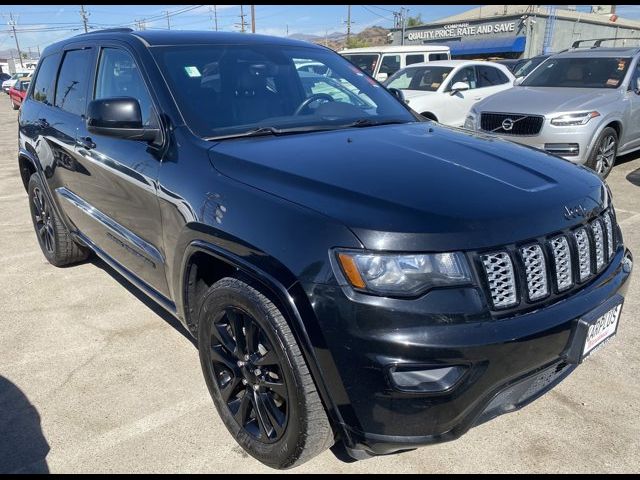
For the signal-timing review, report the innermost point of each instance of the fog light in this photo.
(563, 149)
(425, 379)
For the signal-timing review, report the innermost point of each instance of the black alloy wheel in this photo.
(43, 221)
(249, 375)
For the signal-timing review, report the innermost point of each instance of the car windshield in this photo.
(240, 90)
(581, 72)
(364, 61)
(524, 69)
(427, 79)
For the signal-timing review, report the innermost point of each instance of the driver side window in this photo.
(466, 75)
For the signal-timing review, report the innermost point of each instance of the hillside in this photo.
(369, 37)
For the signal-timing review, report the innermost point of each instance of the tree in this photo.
(356, 42)
(415, 21)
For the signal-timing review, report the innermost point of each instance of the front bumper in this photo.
(554, 139)
(508, 362)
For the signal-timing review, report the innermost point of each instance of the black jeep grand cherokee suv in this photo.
(351, 272)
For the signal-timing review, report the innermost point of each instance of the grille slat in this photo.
(598, 238)
(609, 227)
(521, 124)
(562, 260)
(570, 254)
(536, 271)
(501, 278)
(584, 253)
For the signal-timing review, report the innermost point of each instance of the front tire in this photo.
(258, 378)
(56, 242)
(603, 155)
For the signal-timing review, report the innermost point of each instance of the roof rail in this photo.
(109, 30)
(598, 41)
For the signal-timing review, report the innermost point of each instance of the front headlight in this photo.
(574, 118)
(403, 274)
(470, 121)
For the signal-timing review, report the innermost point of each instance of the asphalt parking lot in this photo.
(95, 378)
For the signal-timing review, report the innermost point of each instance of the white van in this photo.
(383, 61)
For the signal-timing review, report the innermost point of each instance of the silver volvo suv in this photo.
(582, 104)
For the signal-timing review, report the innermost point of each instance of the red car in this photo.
(18, 91)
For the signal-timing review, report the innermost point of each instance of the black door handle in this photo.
(85, 142)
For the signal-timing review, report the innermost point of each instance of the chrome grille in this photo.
(516, 123)
(501, 278)
(562, 261)
(574, 256)
(536, 271)
(609, 227)
(584, 253)
(598, 240)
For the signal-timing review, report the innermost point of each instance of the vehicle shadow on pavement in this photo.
(152, 305)
(23, 447)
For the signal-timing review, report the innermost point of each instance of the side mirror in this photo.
(381, 77)
(518, 81)
(119, 117)
(459, 87)
(399, 94)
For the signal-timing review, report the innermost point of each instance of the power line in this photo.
(381, 16)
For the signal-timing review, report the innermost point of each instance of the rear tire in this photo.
(254, 369)
(56, 242)
(603, 154)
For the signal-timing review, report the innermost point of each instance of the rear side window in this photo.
(43, 87)
(390, 64)
(490, 76)
(411, 59)
(71, 89)
(438, 56)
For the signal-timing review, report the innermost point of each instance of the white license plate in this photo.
(602, 329)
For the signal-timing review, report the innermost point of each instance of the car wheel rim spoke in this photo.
(248, 374)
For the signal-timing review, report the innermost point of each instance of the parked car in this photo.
(18, 92)
(4, 76)
(582, 104)
(351, 274)
(7, 84)
(526, 66)
(445, 90)
(383, 61)
(510, 63)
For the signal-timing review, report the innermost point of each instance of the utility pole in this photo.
(242, 22)
(168, 22)
(85, 16)
(38, 51)
(215, 16)
(404, 22)
(253, 19)
(12, 24)
(287, 29)
(348, 22)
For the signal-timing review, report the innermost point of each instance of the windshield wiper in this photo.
(262, 131)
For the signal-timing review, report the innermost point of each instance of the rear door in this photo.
(631, 129)
(490, 80)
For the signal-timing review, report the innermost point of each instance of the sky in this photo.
(39, 26)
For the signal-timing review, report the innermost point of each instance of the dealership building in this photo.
(520, 31)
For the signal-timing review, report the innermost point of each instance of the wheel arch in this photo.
(201, 254)
(28, 165)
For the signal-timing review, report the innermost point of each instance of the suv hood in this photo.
(418, 186)
(546, 100)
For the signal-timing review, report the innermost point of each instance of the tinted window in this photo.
(118, 76)
(226, 90)
(635, 79)
(580, 72)
(466, 75)
(438, 56)
(365, 62)
(71, 89)
(390, 64)
(43, 87)
(490, 76)
(415, 59)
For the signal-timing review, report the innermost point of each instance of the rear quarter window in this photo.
(43, 86)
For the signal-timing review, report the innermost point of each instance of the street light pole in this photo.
(253, 19)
